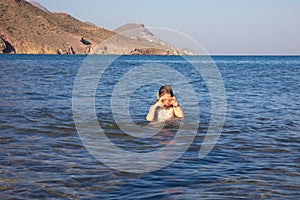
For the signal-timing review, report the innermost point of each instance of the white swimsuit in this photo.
(164, 114)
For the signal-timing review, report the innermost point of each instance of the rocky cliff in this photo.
(27, 29)
(31, 30)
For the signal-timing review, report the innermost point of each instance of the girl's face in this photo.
(167, 100)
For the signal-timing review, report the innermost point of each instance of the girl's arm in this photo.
(178, 111)
(151, 114)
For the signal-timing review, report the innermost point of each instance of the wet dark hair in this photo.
(165, 89)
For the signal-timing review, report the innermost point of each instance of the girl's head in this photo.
(165, 89)
(166, 95)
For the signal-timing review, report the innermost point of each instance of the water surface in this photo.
(257, 155)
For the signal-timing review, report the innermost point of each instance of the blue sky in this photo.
(259, 27)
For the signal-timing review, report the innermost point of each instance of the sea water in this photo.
(256, 156)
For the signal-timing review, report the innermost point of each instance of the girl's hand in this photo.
(159, 103)
(174, 102)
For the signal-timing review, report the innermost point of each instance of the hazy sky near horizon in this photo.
(221, 26)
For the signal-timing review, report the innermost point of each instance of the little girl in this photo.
(166, 107)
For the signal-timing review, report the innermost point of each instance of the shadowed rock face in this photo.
(27, 29)
(6, 47)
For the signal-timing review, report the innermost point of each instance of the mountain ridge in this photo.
(27, 29)
(141, 32)
(37, 4)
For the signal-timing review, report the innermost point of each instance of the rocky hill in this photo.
(139, 31)
(27, 29)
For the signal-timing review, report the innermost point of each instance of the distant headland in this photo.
(26, 27)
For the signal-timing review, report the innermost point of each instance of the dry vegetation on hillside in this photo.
(26, 29)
